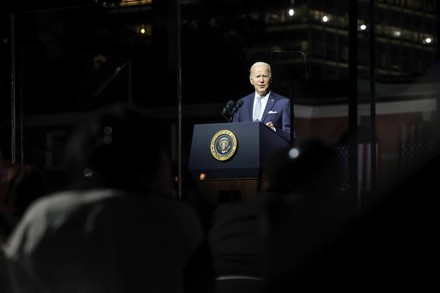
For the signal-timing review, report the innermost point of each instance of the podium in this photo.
(227, 159)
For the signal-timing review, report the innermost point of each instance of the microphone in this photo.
(227, 109)
(237, 106)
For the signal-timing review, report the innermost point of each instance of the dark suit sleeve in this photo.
(236, 117)
(286, 120)
(283, 125)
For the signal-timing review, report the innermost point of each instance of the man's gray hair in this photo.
(260, 63)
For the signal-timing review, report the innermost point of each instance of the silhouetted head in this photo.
(119, 147)
(311, 166)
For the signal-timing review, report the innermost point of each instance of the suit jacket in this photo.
(277, 111)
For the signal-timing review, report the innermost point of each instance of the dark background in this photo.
(71, 57)
(59, 50)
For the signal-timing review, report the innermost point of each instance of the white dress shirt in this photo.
(264, 100)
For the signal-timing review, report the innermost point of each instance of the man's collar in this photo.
(263, 97)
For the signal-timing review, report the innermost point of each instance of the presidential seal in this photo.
(223, 145)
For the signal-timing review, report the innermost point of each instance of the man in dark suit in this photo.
(265, 105)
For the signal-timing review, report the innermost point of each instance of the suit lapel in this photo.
(270, 102)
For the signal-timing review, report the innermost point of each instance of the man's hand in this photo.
(270, 125)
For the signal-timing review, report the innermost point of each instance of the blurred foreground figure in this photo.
(304, 210)
(259, 245)
(391, 247)
(117, 229)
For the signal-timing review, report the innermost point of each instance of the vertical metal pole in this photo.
(372, 16)
(130, 85)
(20, 129)
(13, 94)
(352, 103)
(179, 101)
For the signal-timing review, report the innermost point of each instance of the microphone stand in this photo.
(228, 111)
(234, 110)
(227, 116)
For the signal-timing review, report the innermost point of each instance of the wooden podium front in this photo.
(228, 190)
(227, 159)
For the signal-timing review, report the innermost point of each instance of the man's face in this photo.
(260, 78)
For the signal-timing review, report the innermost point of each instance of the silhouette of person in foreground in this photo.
(117, 229)
(254, 244)
(390, 247)
(304, 211)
